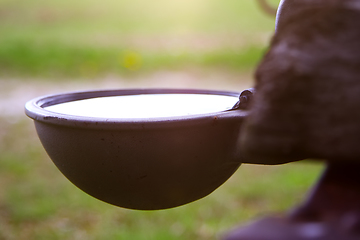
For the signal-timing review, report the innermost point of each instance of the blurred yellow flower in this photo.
(131, 60)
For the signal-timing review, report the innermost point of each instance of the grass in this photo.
(87, 38)
(84, 18)
(38, 202)
(57, 60)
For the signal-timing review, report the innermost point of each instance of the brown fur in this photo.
(307, 102)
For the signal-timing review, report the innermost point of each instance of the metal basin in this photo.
(140, 163)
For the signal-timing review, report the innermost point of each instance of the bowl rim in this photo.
(35, 110)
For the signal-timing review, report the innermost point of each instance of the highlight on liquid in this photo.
(146, 105)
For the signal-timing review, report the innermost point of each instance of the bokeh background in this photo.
(55, 46)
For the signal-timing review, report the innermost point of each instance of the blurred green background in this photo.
(93, 38)
(60, 45)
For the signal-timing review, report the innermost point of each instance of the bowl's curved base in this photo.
(144, 169)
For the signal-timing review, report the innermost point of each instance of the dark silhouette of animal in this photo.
(307, 101)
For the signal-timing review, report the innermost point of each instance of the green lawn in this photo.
(87, 38)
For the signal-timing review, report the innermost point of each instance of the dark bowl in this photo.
(143, 163)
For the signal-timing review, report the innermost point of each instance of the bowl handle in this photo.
(245, 99)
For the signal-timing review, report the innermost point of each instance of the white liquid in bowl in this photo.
(146, 105)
